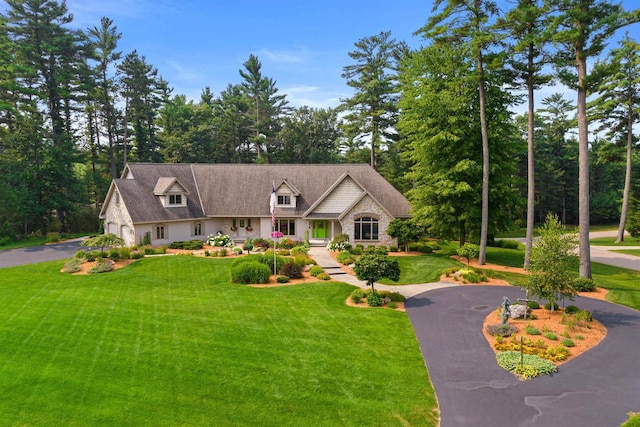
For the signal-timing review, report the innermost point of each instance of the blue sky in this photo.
(302, 44)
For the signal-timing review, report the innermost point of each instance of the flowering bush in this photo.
(339, 243)
(220, 240)
(276, 234)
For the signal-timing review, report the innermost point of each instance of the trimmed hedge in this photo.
(250, 272)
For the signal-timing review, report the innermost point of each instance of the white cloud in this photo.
(284, 56)
(312, 96)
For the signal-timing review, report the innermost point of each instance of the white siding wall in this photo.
(340, 198)
(117, 219)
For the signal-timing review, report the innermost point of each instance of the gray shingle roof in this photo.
(227, 190)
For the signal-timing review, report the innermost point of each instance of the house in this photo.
(170, 202)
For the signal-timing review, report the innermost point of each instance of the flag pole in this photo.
(272, 206)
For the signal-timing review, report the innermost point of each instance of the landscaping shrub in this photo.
(292, 270)
(393, 248)
(114, 254)
(579, 337)
(222, 252)
(548, 306)
(433, 246)
(4, 241)
(422, 247)
(222, 240)
(92, 256)
(506, 244)
(510, 360)
(473, 276)
(53, 237)
(247, 247)
(451, 270)
(533, 305)
(550, 336)
(237, 251)
(299, 250)
(302, 260)
(571, 309)
(374, 299)
(356, 295)
(356, 250)
(188, 245)
(531, 330)
(323, 276)
(282, 279)
(556, 354)
(81, 254)
(137, 255)
(381, 250)
(582, 284)
(315, 270)
(501, 330)
(396, 297)
(266, 259)
(344, 257)
(568, 342)
(250, 272)
(392, 305)
(286, 243)
(260, 243)
(101, 267)
(584, 316)
(73, 266)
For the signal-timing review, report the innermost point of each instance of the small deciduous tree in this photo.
(550, 270)
(372, 268)
(406, 231)
(103, 240)
(468, 251)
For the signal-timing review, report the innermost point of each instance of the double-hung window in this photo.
(366, 228)
(286, 226)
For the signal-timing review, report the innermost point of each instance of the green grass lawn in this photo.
(611, 241)
(169, 341)
(421, 268)
(635, 252)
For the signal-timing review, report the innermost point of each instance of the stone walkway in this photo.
(332, 267)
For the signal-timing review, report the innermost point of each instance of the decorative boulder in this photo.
(517, 311)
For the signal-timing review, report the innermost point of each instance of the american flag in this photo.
(272, 205)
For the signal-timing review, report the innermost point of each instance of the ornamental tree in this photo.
(551, 259)
(468, 251)
(405, 231)
(103, 240)
(371, 268)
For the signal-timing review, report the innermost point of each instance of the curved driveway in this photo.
(33, 254)
(596, 389)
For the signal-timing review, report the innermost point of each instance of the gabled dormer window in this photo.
(170, 192)
(175, 199)
(284, 200)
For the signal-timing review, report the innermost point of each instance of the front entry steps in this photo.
(333, 271)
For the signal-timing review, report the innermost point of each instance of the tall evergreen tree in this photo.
(104, 40)
(310, 135)
(471, 22)
(265, 105)
(581, 29)
(617, 108)
(372, 111)
(524, 24)
(439, 105)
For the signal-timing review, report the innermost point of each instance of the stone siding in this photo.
(368, 207)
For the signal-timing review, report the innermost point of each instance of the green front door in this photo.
(320, 229)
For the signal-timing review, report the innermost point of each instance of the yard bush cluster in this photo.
(265, 259)
(501, 330)
(468, 275)
(538, 347)
(187, 245)
(73, 266)
(252, 271)
(340, 242)
(219, 239)
(345, 257)
(424, 247)
(385, 297)
(582, 284)
(102, 266)
(315, 270)
(531, 366)
(292, 270)
(505, 244)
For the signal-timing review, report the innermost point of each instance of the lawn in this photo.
(611, 241)
(635, 252)
(421, 268)
(168, 341)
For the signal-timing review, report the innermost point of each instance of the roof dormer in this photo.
(286, 195)
(171, 192)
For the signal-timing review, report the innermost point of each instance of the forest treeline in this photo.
(435, 121)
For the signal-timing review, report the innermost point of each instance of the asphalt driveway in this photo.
(596, 389)
(34, 254)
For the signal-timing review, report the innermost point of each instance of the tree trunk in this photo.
(583, 165)
(530, 167)
(484, 226)
(627, 176)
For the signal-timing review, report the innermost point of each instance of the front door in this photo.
(320, 229)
